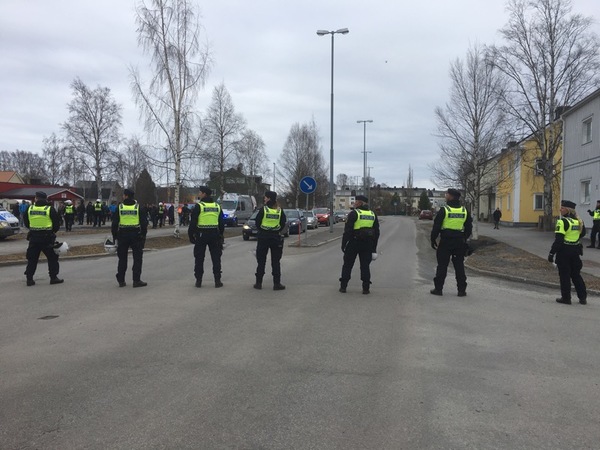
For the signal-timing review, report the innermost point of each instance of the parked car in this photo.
(9, 224)
(311, 220)
(323, 216)
(426, 214)
(296, 221)
(249, 228)
(340, 216)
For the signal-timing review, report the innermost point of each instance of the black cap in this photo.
(128, 192)
(454, 193)
(568, 204)
(40, 194)
(361, 198)
(271, 195)
(205, 190)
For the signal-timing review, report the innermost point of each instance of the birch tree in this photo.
(169, 32)
(551, 60)
(471, 128)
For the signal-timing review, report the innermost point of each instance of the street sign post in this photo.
(308, 185)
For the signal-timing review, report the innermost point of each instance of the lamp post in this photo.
(365, 122)
(369, 189)
(332, 33)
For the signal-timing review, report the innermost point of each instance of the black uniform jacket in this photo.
(143, 221)
(451, 234)
(269, 233)
(193, 227)
(349, 233)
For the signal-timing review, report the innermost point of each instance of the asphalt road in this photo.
(172, 366)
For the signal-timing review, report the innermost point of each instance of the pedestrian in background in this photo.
(80, 212)
(270, 221)
(89, 214)
(361, 234)
(43, 222)
(98, 213)
(23, 210)
(454, 225)
(568, 250)
(69, 215)
(596, 226)
(129, 228)
(497, 216)
(206, 230)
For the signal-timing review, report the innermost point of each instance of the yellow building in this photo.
(520, 190)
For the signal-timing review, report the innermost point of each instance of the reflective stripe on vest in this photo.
(69, 209)
(129, 216)
(97, 206)
(364, 219)
(271, 219)
(455, 218)
(39, 218)
(573, 233)
(597, 214)
(209, 215)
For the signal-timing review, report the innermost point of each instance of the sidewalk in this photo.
(538, 243)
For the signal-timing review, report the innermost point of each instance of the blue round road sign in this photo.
(308, 185)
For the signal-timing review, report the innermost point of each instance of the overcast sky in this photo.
(391, 68)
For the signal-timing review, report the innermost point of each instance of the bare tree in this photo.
(471, 128)
(302, 156)
(129, 163)
(92, 128)
(55, 157)
(222, 131)
(341, 180)
(250, 151)
(551, 60)
(169, 32)
(30, 166)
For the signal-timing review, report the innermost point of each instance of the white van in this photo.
(9, 224)
(237, 208)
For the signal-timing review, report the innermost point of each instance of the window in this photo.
(538, 201)
(585, 192)
(508, 202)
(539, 168)
(586, 131)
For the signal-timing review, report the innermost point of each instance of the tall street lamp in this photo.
(332, 33)
(365, 122)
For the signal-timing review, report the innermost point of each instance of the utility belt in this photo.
(363, 234)
(571, 243)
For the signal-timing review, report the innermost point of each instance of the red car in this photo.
(323, 216)
(426, 214)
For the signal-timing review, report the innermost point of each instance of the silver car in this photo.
(311, 220)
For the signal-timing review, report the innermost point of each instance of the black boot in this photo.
(258, 284)
(56, 280)
(218, 283)
(30, 282)
(343, 286)
(277, 286)
(198, 282)
(365, 286)
(564, 301)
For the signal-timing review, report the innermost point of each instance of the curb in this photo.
(522, 280)
(318, 244)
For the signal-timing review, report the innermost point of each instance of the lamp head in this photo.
(343, 31)
(322, 32)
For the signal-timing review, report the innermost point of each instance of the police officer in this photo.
(454, 224)
(596, 227)
(568, 250)
(206, 230)
(43, 222)
(361, 234)
(69, 215)
(270, 221)
(98, 213)
(161, 214)
(129, 228)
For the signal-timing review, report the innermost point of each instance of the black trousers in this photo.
(98, 219)
(569, 265)
(263, 246)
(124, 243)
(33, 255)
(595, 232)
(451, 249)
(213, 242)
(69, 220)
(364, 251)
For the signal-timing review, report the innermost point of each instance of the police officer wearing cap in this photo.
(129, 228)
(568, 250)
(361, 234)
(270, 221)
(206, 230)
(69, 215)
(596, 227)
(454, 225)
(43, 222)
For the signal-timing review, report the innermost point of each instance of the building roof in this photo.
(582, 102)
(53, 192)
(10, 176)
